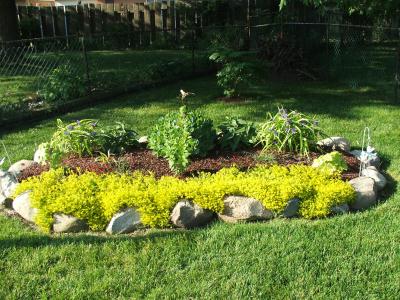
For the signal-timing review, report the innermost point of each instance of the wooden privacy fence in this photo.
(140, 18)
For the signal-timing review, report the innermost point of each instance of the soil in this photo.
(144, 160)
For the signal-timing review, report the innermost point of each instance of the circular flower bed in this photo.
(89, 177)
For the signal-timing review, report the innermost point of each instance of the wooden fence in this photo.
(92, 19)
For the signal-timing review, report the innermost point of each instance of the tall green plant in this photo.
(180, 135)
(234, 74)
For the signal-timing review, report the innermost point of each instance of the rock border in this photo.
(187, 214)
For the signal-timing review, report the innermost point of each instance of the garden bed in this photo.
(188, 172)
(145, 161)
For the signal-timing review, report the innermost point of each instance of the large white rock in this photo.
(124, 222)
(335, 143)
(373, 173)
(366, 193)
(65, 223)
(8, 184)
(22, 205)
(187, 214)
(18, 167)
(40, 155)
(143, 140)
(238, 208)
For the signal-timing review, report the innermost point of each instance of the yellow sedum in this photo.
(96, 198)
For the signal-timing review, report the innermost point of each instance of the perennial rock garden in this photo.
(187, 173)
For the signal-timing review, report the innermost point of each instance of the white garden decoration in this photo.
(368, 153)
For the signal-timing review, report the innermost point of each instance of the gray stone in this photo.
(373, 161)
(124, 222)
(18, 167)
(372, 172)
(2, 200)
(366, 193)
(187, 214)
(238, 208)
(8, 184)
(341, 209)
(22, 205)
(292, 208)
(335, 143)
(5, 202)
(64, 224)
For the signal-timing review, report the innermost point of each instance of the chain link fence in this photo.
(351, 55)
(39, 74)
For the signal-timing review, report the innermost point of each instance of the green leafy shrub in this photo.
(63, 83)
(180, 135)
(234, 75)
(96, 198)
(293, 131)
(86, 137)
(332, 162)
(236, 134)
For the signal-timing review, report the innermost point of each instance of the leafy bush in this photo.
(234, 74)
(333, 162)
(293, 131)
(236, 134)
(96, 198)
(180, 135)
(64, 83)
(86, 137)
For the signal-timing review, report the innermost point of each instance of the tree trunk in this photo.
(8, 21)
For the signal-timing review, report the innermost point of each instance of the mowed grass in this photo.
(349, 257)
(119, 68)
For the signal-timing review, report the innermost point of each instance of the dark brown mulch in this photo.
(144, 160)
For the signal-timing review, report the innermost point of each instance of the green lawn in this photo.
(351, 257)
(119, 68)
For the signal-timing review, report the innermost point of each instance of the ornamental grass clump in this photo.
(289, 131)
(96, 198)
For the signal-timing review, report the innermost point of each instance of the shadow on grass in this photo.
(327, 98)
(37, 240)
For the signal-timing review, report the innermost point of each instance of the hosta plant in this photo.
(236, 134)
(87, 137)
(289, 131)
(180, 135)
(332, 162)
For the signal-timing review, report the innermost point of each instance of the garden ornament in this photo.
(184, 95)
(367, 151)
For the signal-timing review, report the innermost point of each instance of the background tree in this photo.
(8, 20)
(370, 8)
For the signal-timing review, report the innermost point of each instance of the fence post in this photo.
(193, 51)
(397, 75)
(86, 62)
